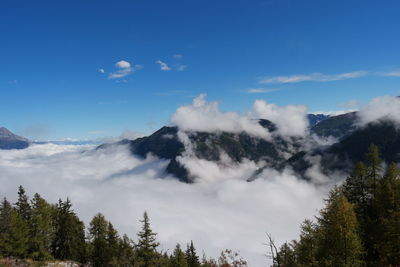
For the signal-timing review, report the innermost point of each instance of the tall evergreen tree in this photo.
(99, 253)
(14, 232)
(191, 256)
(147, 244)
(388, 206)
(5, 228)
(19, 235)
(112, 244)
(22, 205)
(69, 240)
(338, 240)
(41, 228)
(307, 246)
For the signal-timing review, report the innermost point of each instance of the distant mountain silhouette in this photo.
(8, 140)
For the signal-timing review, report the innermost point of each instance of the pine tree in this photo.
(356, 186)
(69, 239)
(178, 258)
(191, 256)
(126, 253)
(286, 256)
(41, 228)
(388, 206)
(112, 244)
(22, 205)
(147, 244)
(306, 248)
(338, 240)
(19, 235)
(14, 234)
(5, 229)
(99, 254)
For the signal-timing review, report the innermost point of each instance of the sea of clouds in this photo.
(220, 210)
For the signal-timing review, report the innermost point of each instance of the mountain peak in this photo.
(9, 140)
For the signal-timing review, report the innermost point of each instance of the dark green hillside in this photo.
(336, 126)
(352, 148)
(166, 144)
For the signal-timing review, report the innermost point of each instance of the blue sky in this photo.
(317, 52)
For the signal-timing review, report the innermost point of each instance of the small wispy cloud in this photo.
(178, 56)
(316, 77)
(392, 74)
(181, 67)
(260, 90)
(102, 71)
(163, 66)
(124, 68)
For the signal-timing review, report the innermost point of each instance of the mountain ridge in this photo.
(9, 140)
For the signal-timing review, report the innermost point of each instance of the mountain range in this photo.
(348, 142)
(351, 141)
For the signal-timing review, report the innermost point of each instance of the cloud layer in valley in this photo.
(220, 211)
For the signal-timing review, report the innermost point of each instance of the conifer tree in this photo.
(147, 244)
(178, 258)
(126, 253)
(388, 207)
(306, 248)
(112, 239)
(22, 205)
(191, 256)
(41, 228)
(356, 186)
(5, 228)
(338, 240)
(18, 236)
(286, 256)
(99, 253)
(69, 239)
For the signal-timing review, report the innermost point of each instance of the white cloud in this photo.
(181, 67)
(178, 56)
(101, 70)
(124, 69)
(392, 74)
(120, 73)
(163, 65)
(222, 211)
(123, 64)
(260, 90)
(206, 116)
(383, 107)
(318, 77)
(290, 120)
